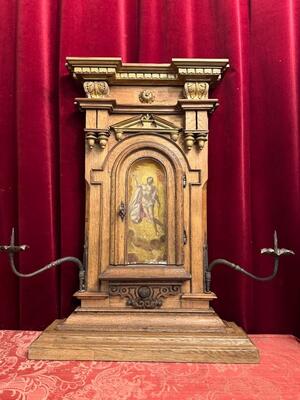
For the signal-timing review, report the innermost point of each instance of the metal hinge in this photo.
(184, 237)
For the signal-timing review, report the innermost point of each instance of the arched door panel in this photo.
(146, 210)
(146, 231)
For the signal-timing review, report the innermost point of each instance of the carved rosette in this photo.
(146, 96)
(144, 296)
(196, 90)
(96, 89)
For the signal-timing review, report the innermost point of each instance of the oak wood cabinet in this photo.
(146, 174)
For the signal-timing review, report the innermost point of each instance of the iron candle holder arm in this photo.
(12, 249)
(276, 252)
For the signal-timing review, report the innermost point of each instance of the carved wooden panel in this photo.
(144, 296)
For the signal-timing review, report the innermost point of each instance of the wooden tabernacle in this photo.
(146, 177)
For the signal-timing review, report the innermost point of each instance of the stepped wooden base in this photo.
(66, 340)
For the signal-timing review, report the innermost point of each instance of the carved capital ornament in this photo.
(96, 89)
(196, 90)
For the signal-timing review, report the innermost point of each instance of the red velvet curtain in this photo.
(254, 182)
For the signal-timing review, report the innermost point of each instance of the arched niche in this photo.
(146, 215)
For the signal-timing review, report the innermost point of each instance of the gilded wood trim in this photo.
(178, 71)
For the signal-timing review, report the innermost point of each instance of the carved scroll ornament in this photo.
(144, 296)
(196, 90)
(96, 89)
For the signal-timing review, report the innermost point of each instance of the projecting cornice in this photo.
(179, 71)
(150, 94)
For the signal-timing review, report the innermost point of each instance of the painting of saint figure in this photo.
(143, 202)
(146, 239)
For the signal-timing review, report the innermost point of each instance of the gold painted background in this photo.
(145, 244)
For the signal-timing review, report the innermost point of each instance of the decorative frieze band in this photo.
(94, 70)
(198, 71)
(146, 75)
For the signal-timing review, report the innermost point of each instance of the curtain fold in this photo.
(254, 164)
(37, 155)
(275, 155)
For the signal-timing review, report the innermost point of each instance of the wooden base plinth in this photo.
(67, 340)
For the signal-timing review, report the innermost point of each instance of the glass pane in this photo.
(146, 193)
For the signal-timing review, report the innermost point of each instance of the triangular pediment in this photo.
(145, 122)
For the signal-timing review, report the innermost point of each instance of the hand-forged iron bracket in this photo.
(276, 252)
(12, 249)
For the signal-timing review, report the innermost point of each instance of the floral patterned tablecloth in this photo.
(276, 377)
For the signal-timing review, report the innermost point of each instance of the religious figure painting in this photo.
(146, 224)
